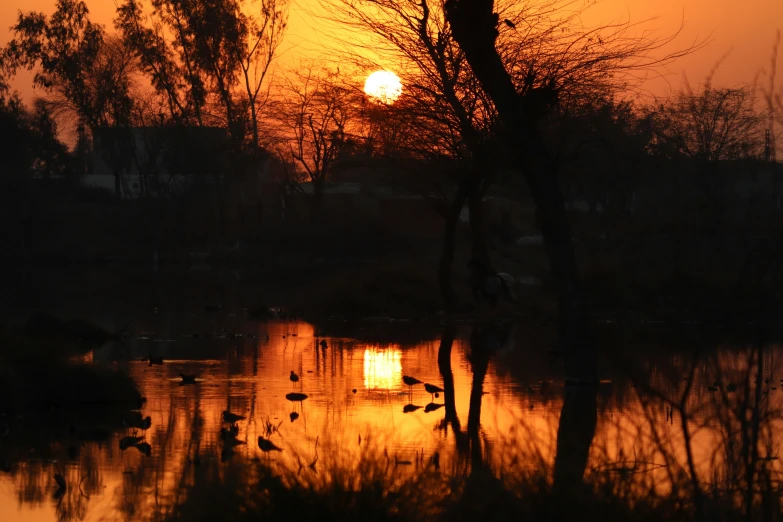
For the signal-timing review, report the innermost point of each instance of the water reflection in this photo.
(688, 427)
(382, 368)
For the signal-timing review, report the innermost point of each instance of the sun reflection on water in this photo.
(382, 367)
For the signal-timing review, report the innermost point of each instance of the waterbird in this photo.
(188, 379)
(432, 407)
(229, 438)
(232, 418)
(408, 408)
(410, 381)
(432, 389)
(144, 448)
(489, 284)
(154, 359)
(127, 442)
(267, 445)
(293, 377)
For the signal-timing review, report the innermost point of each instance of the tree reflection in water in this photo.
(696, 436)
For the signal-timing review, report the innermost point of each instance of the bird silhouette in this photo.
(293, 377)
(293, 415)
(432, 407)
(408, 408)
(144, 448)
(232, 418)
(323, 344)
(410, 381)
(229, 438)
(187, 379)
(267, 445)
(432, 389)
(154, 359)
(127, 442)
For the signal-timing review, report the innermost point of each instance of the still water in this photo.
(503, 408)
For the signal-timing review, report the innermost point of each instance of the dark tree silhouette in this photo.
(86, 74)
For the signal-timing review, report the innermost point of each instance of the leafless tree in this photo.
(710, 125)
(549, 55)
(475, 26)
(312, 115)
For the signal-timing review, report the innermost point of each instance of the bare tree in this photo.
(549, 56)
(264, 34)
(475, 27)
(312, 115)
(711, 125)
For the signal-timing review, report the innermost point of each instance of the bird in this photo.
(188, 379)
(432, 389)
(154, 359)
(127, 442)
(232, 418)
(267, 445)
(293, 377)
(293, 415)
(323, 344)
(408, 408)
(410, 381)
(489, 284)
(509, 23)
(229, 438)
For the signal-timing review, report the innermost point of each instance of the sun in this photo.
(384, 86)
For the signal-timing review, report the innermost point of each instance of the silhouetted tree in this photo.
(475, 26)
(711, 125)
(312, 117)
(211, 62)
(86, 74)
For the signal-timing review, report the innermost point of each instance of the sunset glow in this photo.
(384, 86)
(382, 368)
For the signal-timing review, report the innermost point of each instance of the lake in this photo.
(504, 408)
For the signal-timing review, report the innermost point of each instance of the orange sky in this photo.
(746, 32)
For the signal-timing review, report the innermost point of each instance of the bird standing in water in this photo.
(410, 381)
(187, 379)
(432, 389)
(232, 418)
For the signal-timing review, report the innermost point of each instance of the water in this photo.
(505, 408)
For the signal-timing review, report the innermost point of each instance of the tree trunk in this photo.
(475, 29)
(446, 264)
(444, 366)
(578, 418)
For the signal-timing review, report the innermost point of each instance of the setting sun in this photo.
(384, 86)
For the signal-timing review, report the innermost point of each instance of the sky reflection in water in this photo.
(250, 377)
